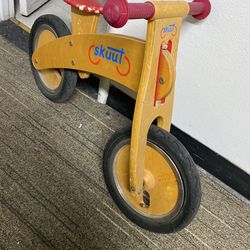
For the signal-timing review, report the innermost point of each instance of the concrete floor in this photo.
(52, 193)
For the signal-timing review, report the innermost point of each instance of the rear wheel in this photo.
(56, 84)
(171, 185)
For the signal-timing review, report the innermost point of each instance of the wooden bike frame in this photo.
(148, 68)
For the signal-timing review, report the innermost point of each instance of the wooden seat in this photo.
(89, 6)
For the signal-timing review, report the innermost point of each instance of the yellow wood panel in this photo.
(166, 75)
(160, 31)
(116, 57)
(83, 23)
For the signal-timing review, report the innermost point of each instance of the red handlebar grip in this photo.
(200, 9)
(117, 12)
(141, 10)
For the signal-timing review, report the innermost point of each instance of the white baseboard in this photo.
(6, 9)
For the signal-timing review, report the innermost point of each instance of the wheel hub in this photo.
(148, 180)
(163, 192)
(50, 77)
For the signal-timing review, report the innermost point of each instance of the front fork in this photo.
(155, 95)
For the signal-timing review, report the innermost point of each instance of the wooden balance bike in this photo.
(148, 172)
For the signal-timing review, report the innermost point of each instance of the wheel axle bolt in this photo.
(162, 80)
(143, 205)
(164, 47)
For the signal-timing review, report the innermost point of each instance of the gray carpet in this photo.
(52, 192)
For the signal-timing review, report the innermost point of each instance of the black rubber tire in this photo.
(186, 167)
(69, 77)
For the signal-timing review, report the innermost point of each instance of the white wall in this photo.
(213, 79)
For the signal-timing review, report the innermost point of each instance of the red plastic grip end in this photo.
(200, 9)
(118, 12)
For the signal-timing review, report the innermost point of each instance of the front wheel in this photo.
(56, 84)
(171, 184)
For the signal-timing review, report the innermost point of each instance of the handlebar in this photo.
(118, 12)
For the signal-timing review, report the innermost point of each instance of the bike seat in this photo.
(89, 6)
